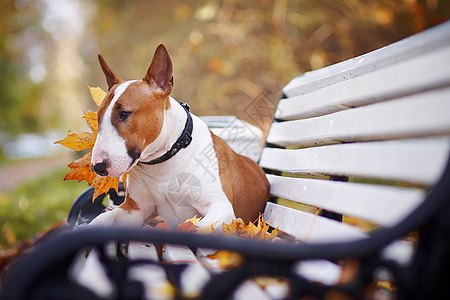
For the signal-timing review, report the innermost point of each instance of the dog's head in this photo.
(131, 115)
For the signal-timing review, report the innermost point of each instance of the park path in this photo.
(19, 172)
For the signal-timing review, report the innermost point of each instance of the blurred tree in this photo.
(17, 90)
(226, 53)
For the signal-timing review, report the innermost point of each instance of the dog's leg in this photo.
(129, 213)
(219, 212)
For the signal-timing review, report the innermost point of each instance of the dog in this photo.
(144, 131)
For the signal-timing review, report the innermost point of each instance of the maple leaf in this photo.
(104, 184)
(78, 140)
(97, 94)
(81, 170)
(227, 259)
(250, 230)
(190, 225)
(91, 118)
(208, 229)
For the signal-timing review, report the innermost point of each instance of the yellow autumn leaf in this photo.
(124, 180)
(194, 220)
(91, 118)
(250, 230)
(208, 229)
(81, 170)
(78, 140)
(227, 259)
(104, 184)
(97, 94)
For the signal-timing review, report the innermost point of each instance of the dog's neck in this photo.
(173, 126)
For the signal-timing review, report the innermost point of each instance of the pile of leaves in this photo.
(81, 168)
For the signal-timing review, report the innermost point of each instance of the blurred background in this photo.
(226, 55)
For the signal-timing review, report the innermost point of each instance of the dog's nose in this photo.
(100, 169)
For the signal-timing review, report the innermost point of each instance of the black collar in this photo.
(183, 141)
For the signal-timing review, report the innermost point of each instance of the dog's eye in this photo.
(123, 115)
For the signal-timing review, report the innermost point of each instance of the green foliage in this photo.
(35, 206)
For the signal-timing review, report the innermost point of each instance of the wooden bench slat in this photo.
(408, 48)
(153, 278)
(419, 161)
(194, 277)
(90, 273)
(384, 205)
(424, 114)
(309, 227)
(405, 78)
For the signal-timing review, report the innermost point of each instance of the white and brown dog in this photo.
(146, 132)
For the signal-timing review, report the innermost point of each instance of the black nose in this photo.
(100, 169)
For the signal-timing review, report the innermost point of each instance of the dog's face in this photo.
(131, 115)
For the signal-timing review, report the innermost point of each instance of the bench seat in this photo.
(357, 160)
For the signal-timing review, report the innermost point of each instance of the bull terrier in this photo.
(144, 131)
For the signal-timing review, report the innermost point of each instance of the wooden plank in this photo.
(154, 279)
(413, 46)
(242, 137)
(319, 270)
(308, 227)
(411, 76)
(424, 114)
(418, 161)
(384, 205)
(194, 277)
(90, 273)
(249, 290)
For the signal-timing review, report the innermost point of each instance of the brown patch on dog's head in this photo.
(137, 115)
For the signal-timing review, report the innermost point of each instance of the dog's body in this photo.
(138, 124)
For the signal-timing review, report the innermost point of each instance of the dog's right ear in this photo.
(160, 70)
(111, 77)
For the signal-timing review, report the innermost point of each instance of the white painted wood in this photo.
(154, 279)
(408, 77)
(242, 137)
(424, 114)
(408, 48)
(194, 277)
(401, 251)
(319, 270)
(250, 290)
(90, 273)
(384, 205)
(418, 161)
(212, 265)
(308, 227)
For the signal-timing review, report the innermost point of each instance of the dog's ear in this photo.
(160, 70)
(111, 77)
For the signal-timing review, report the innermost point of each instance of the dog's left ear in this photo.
(111, 77)
(160, 70)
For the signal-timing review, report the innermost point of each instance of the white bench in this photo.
(357, 161)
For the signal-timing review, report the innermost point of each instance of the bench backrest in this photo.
(377, 125)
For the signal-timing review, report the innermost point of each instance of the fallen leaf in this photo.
(104, 184)
(250, 230)
(91, 118)
(194, 220)
(208, 229)
(78, 140)
(97, 94)
(227, 259)
(124, 180)
(187, 226)
(81, 170)
(162, 226)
